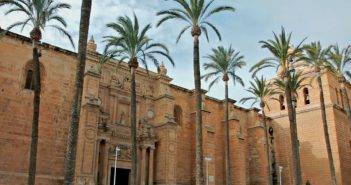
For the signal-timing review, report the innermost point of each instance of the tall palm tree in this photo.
(133, 45)
(224, 63)
(340, 63)
(261, 92)
(283, 54)
(78, 90)
(38, 15)
(316, 58)
(196, 14)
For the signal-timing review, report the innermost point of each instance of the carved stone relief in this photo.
(120, 81)
(119, 130)
(150, 91)
(123, 114)
(125, 152)
(146, 131)
(85, 181)
(103, 121)
(115, 82)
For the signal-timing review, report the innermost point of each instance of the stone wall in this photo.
(58, 72)
(314, 159)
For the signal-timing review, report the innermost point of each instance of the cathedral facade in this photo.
(166, 127)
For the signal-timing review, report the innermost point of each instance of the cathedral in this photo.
(166, 126)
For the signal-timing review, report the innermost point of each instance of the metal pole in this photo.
(114, 177)
(207, 159)
(280, 174)
(206, 172)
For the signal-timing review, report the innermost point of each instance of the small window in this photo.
(29, 84)
(27, 81)
(306, 96)
(177, 113)
(337, 96)
(281, 101)
(341, 98)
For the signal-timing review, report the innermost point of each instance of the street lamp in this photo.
(280, 174)
(114, 177)
(207, 159)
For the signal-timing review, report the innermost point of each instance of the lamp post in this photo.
(280, 174)
(114, 176)
(207, 159)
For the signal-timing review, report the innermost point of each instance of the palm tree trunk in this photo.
(227, 153)
(77, 97)
(293, 133)
(133, 172)
(326, 132)
(35, 122)
(199, 153)
(267, 144)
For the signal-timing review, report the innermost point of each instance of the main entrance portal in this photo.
(122, 176)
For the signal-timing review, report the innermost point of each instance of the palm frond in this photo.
(214, 29)
(282, 52)
(224, 61)
(195, 14)
(217, 10)
(132, 43)
(260, 90)
(182, 32)
(64, 33)
(38, 14)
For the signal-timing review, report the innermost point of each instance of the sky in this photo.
(254, 20)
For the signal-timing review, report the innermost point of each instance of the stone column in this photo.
(105, 167)
(143, 165)
(151, 166)
(97, 149)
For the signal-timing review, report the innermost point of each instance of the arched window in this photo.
(281, 102)
(29, 77)
(306, 96)
(29, 83)
(177, 113)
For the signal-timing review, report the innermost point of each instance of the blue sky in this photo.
(254, 20)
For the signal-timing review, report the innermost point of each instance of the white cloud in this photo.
(254, 20)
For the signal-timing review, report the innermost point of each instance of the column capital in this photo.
(143, 147)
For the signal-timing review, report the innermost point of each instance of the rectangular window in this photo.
(337, 96)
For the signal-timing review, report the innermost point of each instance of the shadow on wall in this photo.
(314, 169)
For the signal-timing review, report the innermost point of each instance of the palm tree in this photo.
(133, 45)
(340, 62)
(224, 63)
(261, 92)
(316, 58)
(283, 55)
(77, 97)
(39, 13)
(195, 13)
